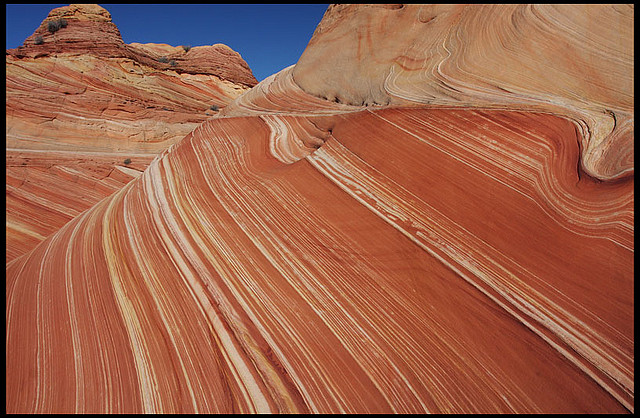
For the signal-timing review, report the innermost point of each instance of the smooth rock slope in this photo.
(375, 253)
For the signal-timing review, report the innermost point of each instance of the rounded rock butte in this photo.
(452, 232)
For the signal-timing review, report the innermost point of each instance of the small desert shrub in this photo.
(127, 161)
(163, 60)
(173, 63)
(56, 25)
(214, 108)
(186, 48)
(39, 40)
(53, 26)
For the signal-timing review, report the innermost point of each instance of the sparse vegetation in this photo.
(127, 161)
(55, 25)
(39, 40)
(214, 108)
(186, 48)
(173, 63)
(163, 60)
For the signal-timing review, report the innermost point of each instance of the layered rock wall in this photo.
(79, 94)
(89, 30)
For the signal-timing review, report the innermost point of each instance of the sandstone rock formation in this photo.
(89, 30)
(381, 253)
(82, 90)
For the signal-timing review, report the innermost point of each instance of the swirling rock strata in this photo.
(531, 57)
(331, 284)
(296, 254)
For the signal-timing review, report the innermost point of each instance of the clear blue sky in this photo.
(269, 37)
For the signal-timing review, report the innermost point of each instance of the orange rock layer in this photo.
(296, 254)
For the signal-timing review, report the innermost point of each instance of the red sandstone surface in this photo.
(84, 92)
(47, 189)
(433, 241)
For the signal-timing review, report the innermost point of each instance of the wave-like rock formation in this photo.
(82, 90)
(528, 57)
(296, 254)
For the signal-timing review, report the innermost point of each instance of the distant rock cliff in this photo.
(90, 31)
(76, 87)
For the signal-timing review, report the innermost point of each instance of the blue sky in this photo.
(269, 37)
